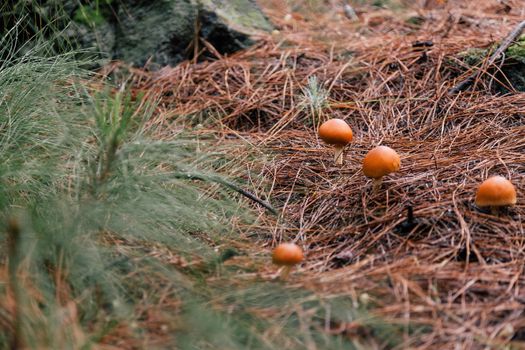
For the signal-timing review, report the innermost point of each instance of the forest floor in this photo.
(454, 279)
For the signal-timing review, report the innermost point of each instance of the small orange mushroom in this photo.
(496, 192)
(338, 133)
(287, 255)
(378, 162)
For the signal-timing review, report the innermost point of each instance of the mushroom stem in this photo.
(285, 272)
(376, 184)
(338, 154)
(494, 210)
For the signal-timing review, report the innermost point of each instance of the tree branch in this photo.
(230, 185)
(466, 83)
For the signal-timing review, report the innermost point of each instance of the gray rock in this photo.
(163, 32)
(100, 40)
(160, 31)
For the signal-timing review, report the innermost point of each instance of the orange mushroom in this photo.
(496, 192)
(378, 162)
(338, 133)
(287, 255)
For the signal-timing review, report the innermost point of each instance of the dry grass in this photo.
(460, 270)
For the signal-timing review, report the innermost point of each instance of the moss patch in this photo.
(512, 72)
(517, 51)
(241, 15)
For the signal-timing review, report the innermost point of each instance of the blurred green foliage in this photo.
(55, 21)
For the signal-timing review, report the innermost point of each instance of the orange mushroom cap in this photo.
(381, 161)
(287, 254)
(335, 132)
(496, 191)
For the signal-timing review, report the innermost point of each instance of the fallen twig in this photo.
(230, 185)
(465, 84)
(15, 257)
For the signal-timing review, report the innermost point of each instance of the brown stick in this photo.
(230, 185)
(14, 253)
(465, 84)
